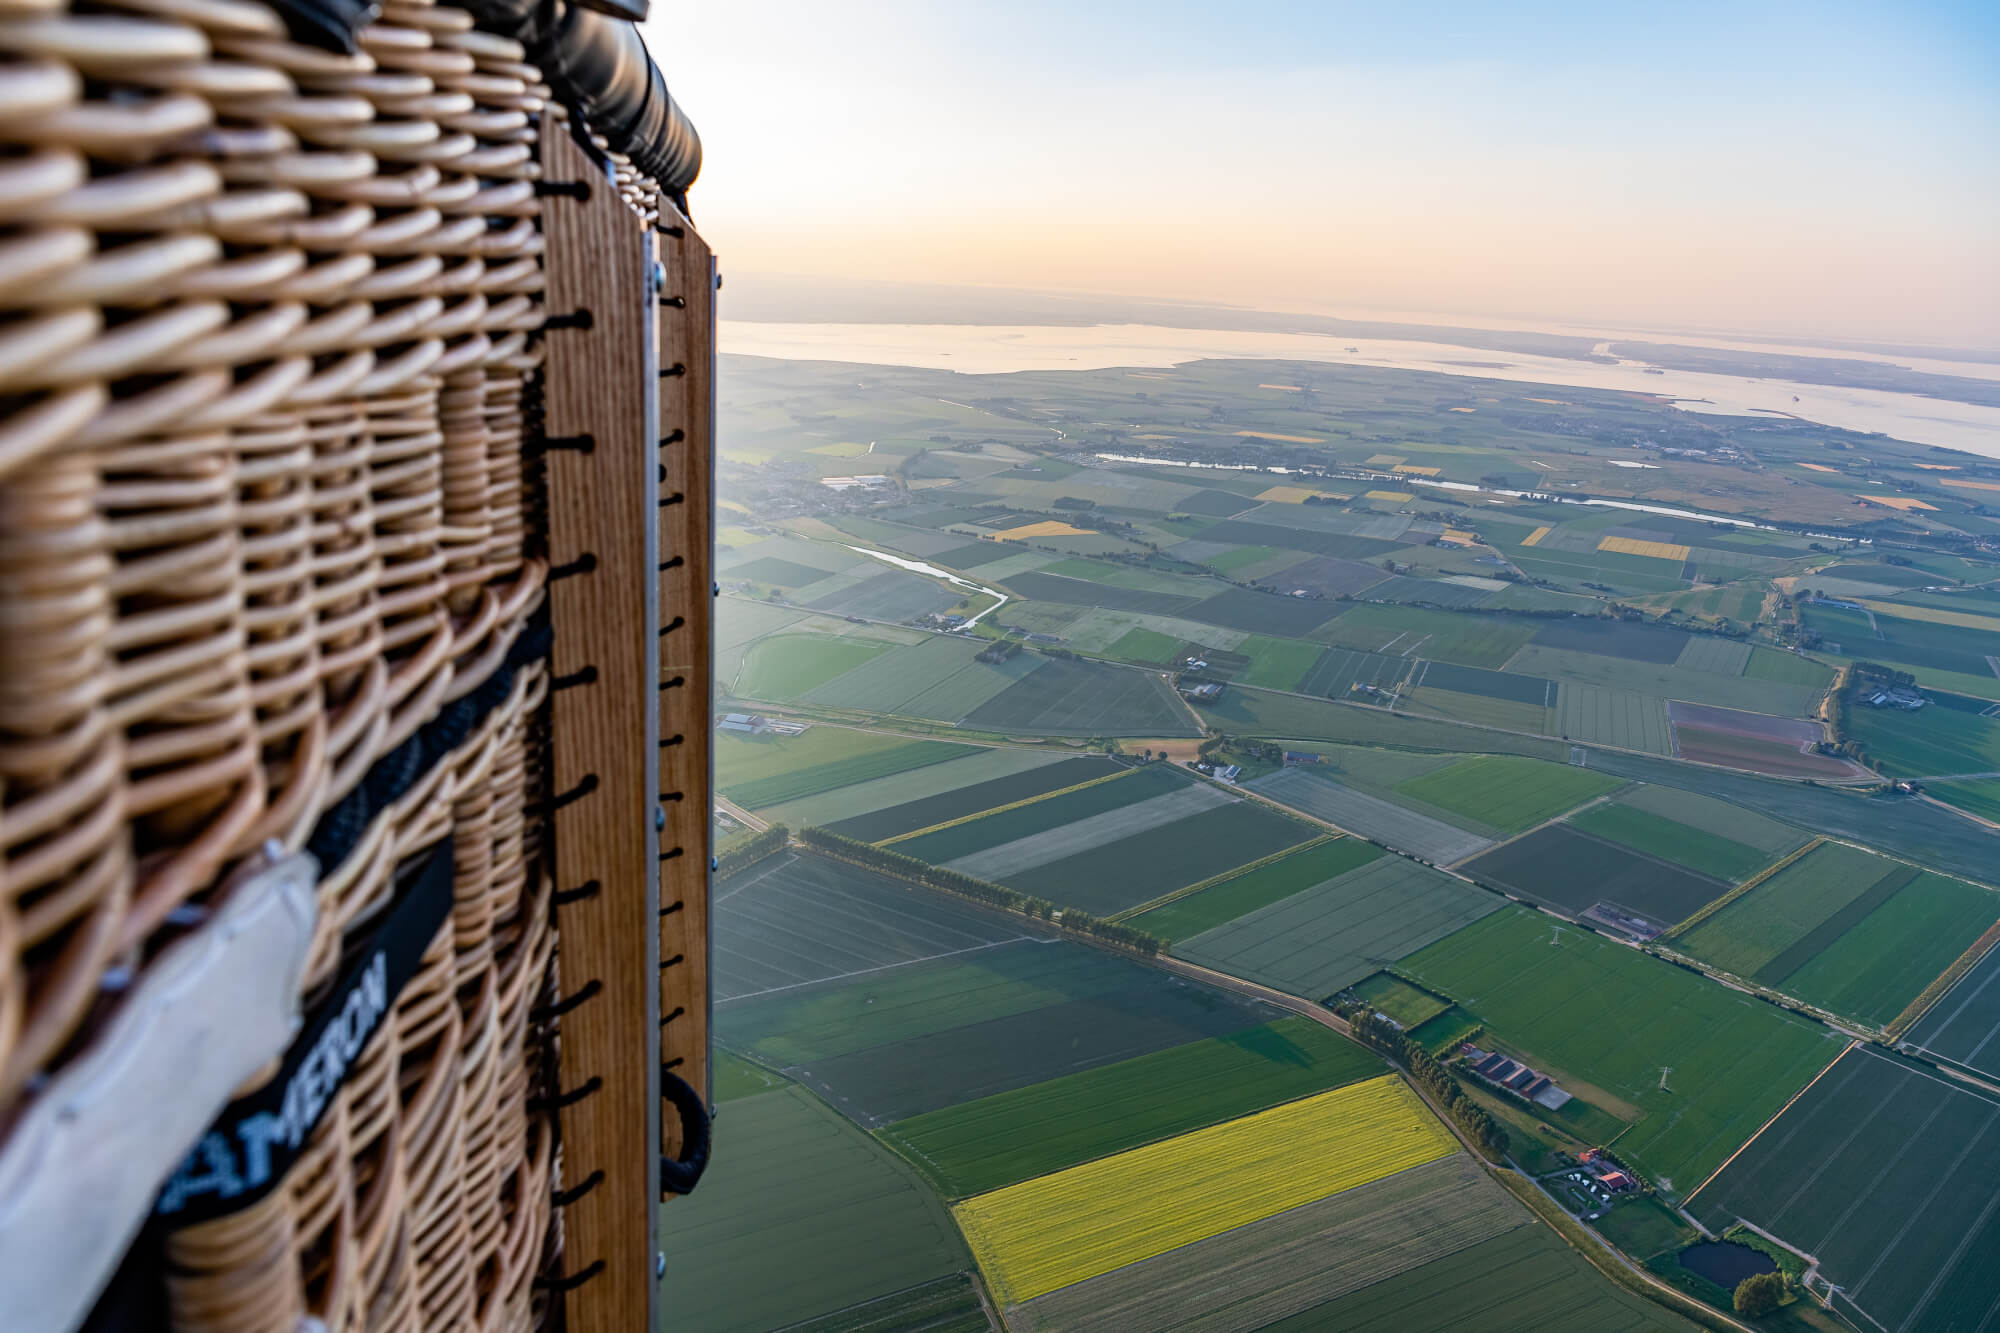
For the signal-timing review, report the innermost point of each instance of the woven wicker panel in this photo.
(422, 1201)
(265, 353)
(268, 362)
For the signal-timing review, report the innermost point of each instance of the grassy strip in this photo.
(1821, 937)
(1593, 1252)
(1934, 992)
(1002, 809)
(1214, 880)
(895, 864)
(1739, 891)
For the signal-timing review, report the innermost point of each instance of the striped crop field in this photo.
(1535, 538)
(1634, 546)
(1044, 1234)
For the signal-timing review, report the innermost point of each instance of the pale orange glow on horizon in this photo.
(885, 150)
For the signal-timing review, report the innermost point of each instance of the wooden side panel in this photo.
(601, 381)
(687, 533)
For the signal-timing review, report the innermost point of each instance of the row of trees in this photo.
(746, 854)
(1372, 1029)
(968, 886)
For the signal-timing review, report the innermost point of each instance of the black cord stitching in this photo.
(673, 683)
(581, 893)
(672, 625)
(560, 1007)
(583, 564)
(676, 959)
(675, 563)
(574, 794)
(674, 436)
(564, 1198)
(587, 676)
(590, 1087)
(580, 319)
(676, 498)
(574, 1280)
(675, 371)
(577, 190)
(678, 1011)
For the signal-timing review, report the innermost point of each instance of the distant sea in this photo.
(997, 349)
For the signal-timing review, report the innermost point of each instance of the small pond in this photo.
(1725, 1263)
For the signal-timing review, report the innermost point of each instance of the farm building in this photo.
(1515, 1077)
(753, 724)
(1206, 692)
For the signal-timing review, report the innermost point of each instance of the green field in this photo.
(1278, 664)
(1874, 969)
(1787, 669)
(1699, 850)
(1506, 792)
(1547, 988)
(1247, 712)
(1667, 682)
(983, 765)
(1749, 933)
(761, 771)
(731, 1077)
(1257, 888)
(800, 1215)
(1644, 1227)
(1724, 819)
(1042, 814)
(1477, 710)
(784, 666)
(1396, 998)
(1438, 635)
(1121, 873)
(1980, 796)
(1144, 645)
(947, 1305)
(1070, 698)
(1932, 742)
(1525, 1281)
(1321, 940)
(1604, 716)
(982, 1145)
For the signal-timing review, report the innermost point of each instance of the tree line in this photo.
(747, 854)
(1372, 1029)
(967, 886)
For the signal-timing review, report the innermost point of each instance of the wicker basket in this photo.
(268, 366)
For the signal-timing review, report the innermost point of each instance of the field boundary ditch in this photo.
(1741, 890)
(1213, 880)
(1001, 809)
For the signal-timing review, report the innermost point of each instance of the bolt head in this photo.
(659, 819)
(659, 1264)
(659, 275)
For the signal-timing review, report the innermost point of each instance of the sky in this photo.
(1813, 170)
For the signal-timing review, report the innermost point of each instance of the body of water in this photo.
(1725, 1263)
(998, 349)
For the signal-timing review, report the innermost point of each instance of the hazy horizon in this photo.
(1825, 172)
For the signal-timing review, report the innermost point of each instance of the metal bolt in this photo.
(659, 1263)
(659, 819)
(715, 590)
(659, 275)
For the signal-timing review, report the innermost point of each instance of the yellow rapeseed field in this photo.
(1288, 439)
(1393, 497)
(1050, 528)
(1416, 471)
(1937, 467)
(1933, 614)
(1046, 1233)
(1633, 546)
(1535, 538)
(1296, 495)
(1970, 485)
(1819, 467)
(1902, 502)
(1383, 460)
